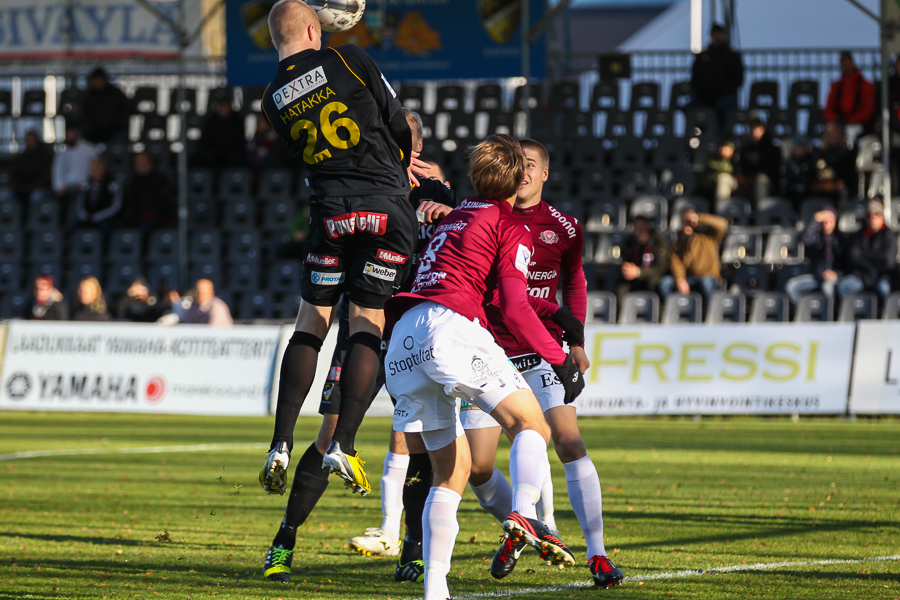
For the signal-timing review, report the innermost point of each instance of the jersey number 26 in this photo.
(329, 130)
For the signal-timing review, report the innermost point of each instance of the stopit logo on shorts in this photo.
(379, 272)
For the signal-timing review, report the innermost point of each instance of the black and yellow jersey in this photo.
(336, 112)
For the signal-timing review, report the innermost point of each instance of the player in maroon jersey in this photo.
(557, 239)
(440, 352)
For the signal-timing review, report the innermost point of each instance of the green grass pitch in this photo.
(679, 495)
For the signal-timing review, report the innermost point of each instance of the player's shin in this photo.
(308, 486)
(584, 494)
(361, 367)
(527, 467)
(440, 531)
(495, 495)
(298, 369)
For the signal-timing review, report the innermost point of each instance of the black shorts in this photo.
(330, 404)
(360, 245)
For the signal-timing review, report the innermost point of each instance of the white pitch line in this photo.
(674, 575)
(149, 450)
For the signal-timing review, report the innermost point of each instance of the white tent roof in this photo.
(769, 24)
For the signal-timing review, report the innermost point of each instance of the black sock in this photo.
(298, 369)
(419, 475)
(412, 550)
(308, 486)
(357, 382)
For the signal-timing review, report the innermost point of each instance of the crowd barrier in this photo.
(764, 369)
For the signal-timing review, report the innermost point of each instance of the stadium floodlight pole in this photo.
(183, 41)
(526, 65)
(886, 33)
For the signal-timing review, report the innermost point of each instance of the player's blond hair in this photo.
(289, 19)
(530, 144)
(497, 167)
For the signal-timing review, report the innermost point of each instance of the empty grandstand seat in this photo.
(45, 245)
(782, 123)
(462, 127)
(120, 276)
(10, 277)
(34, 103)
(43, 215)
(154, 128)
(278, 214)
(695, 203)
(125, 245)
(680, 96)
(737, 124)
(742, 245)
(217, 96)
(813, 307)
(256, 305)
(725, 307)
(205, 245)
(654, 208)
(206, 269)
(644, 96)
(736, 210)
(14, 306)
(189, 102)
(601, 307)
(769, 307)
(235, 183)
(243, 275)
(752, 279)
(48, 267)
(200, 183)
(597, 183)
(640, 307)
(618, 124)
(803, 94)
(488, 98)
(5, 103)
(202, 213)
(530, 93)
(244, 244)
(239, 214)
(659, 126)
(10, 245)
(701, 123)
(252, 98)
(773, 212)
(783, 247)
(145, 100)
(10, 215)
(164, 274)
(412, 97)
(275, 184)
(450, 98)
(808, 209)
(284, 276)
(85, 245)
(682, 308)
(605, 96)
(763, 95)
(607, 214)
(858, 306)
(565, 95)
(163, 245)
(677, 181)
(788, 272)
(609, 249)
(290, 306)
(853, 216)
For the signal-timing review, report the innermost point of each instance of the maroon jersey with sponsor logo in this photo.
(474, 246)
(557, 239)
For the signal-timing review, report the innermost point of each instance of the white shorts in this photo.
(540, 378)
(436, 358)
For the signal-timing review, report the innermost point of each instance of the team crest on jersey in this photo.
(548, 237)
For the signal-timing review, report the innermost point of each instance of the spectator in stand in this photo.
(48, 301)
(717, 74)
(150, 201)
(823, 247)
(266, 150)
(799, 174)
(759, 163)
(717, 181)
(207, 308)
(870, 257)
(138, 305)
(89, 303)
(100, 198)
(70, 165)
(31, 171)
(222, 141)
(836, 174)
(646, 259)
(104, 111)
(851, 101)
(694, 262)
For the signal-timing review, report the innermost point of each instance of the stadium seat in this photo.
(530, 92)
(726, 308)
(243, 275)
(742, 245)
(702, 123)
(154, 128)
(125, 245)
(206, 269)
(752, 279)
(120, 276)
(85, 245)
(34, 103)
(803, 94)
(628, 154)
(773, 212)
(808, 209)
(681, 95)
(284, 276)
(256, 305)
(10, 215)
(783, 247)
(235, 183)
(488, 98)
(782, 123)
(695, 203)
(609, 249)
(278, 215)
(275, 184)
(654, 208)
(45, 245)
(736, 210)
(737, 125)
(10, 277)
(450, 98)
(644, 96)
(202, 213)
(10, 246)
(200, 184)
(787, 272)
(239, 214)
(658, 126)
(677, 181)
(5, 103)
(462, 127)
(601, 307)
(14, 305)
(244, 244)
(43, 215)
(163, 274)
(570, 205)
(763, 96)
(290, 306)
(892, 306)
(145, 100)
(813, 307)
(605, 96)
(853, 216)
(205, 245)
(50, 267)
(606, 215)
(412, 97)
(769, 307)
(163, 245)
(618, 124)
(217, 96)
(858, 306)
(251, 98)
(565, 96)
(682, 308)
(190, 101)
(640, 307)
(80, 270)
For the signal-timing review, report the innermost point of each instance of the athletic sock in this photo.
(308, 486)
(357, 382)
(587, 502)
(495, 496)
(441, 529)
(298, 368)
(545, 503)
(527, 458)
(412, 550)
(419, 476)
(392, 479)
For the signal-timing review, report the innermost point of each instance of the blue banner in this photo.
(410, 39)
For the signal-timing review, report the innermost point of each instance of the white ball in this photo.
(338, 15)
